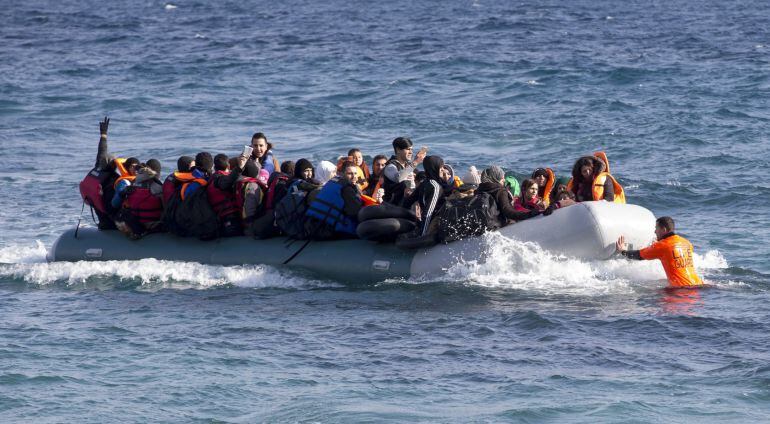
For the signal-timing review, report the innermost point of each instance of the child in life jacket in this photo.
(142, 205)
(221, 194)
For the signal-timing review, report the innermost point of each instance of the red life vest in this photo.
(97, 181)
(143, 205)
(223, 202)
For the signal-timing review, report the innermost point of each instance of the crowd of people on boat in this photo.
(254, 194)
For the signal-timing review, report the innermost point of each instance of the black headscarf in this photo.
(301, 166)
(433, 165)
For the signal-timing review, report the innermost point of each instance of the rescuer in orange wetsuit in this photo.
(674, 252)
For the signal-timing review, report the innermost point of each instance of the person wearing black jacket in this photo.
(430, 193)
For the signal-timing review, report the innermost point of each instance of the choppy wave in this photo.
(28, 264)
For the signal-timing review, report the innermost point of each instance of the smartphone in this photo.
(247, 151)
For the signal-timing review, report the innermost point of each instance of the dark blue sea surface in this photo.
(675, 92)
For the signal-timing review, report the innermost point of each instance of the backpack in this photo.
(277, 187)
(290, 213)
(191, 217)
(467, 217)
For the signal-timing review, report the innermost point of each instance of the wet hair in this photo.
(221, 162)
(665, 222)
(584, 161)
(258, 135)
(251, 169)
(204, 161)
(526, 184)
(401, 143)
(183, 163)
(154, 164)
(353, 151)
(287, 167)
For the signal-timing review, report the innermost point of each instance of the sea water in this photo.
(676, 93)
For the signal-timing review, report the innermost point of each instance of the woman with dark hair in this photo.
(545, 179)
(263, 153)
(529, 200)
(591, 180)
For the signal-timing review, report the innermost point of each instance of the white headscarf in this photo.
(325, 171)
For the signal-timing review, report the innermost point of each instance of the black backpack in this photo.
(290, 213)
(467, 217)
(191, 217)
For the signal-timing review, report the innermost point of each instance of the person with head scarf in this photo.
(429, 195)
(326, 171)
(493, 183)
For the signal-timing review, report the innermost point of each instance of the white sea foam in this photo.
(170, 6)
(28, 263)
(525, 266)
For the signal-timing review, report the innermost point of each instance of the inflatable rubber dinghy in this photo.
(586, 230)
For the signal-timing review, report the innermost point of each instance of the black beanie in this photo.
(301, 166)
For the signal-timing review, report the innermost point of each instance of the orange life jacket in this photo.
(186, 178)
(550, 180)
(597, 188)
(675, 254)
(368, 201)
(123, 172)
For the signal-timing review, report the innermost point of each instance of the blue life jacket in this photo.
(328, 207)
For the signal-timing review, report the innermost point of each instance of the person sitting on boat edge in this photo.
(142, 207)
(221, 194)
(674, 252)
(429, 195)
(333, 213)
(400, 169)
(98, 186)
(591, 180)
(263, 152)
(127, 170)
(174, 179)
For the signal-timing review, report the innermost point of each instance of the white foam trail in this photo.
(170, 6)
(29, 264)
(525, 266)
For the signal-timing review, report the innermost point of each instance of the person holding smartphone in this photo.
(399, 171)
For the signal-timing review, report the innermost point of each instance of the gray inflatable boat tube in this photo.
(587, 230)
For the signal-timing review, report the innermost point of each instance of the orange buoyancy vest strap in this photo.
(122, 171)
(597, 190)
(675, 254)
(550, 180)
(200, 181)
(368, 201)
